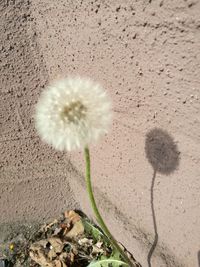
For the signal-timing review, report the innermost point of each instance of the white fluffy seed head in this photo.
(72, 113)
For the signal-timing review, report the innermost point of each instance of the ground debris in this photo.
(70, 241)
(62, 246)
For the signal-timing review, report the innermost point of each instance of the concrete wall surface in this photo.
(145, 172)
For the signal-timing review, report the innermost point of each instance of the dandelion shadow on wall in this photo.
(163, 155)
(198, 256)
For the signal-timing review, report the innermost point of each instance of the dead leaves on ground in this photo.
(71, 241)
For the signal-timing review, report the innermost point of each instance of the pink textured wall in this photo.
(146, 54)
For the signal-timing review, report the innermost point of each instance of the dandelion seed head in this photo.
(72, 113)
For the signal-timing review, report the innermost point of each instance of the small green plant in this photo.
(71, 114)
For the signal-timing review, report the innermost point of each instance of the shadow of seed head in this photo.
(161, 151)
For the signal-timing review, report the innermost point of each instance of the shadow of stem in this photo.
(154, 221)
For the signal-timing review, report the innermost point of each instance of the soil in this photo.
(20, 235)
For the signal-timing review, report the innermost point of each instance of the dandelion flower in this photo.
(72, 112)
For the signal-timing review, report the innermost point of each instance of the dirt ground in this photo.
(146, 170)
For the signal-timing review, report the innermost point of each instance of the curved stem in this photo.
(96, 211)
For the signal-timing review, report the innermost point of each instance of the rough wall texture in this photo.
(32, 183)
(146, 54)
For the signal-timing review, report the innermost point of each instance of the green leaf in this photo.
(116, 254)
(107, 263)
(95, 232)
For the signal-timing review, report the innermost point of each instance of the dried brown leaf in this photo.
(76, 230)
(85, 241)
(37, 254)
(56, 243)
(46, 227)
(72, 216)
(59, 263)
(96, 249)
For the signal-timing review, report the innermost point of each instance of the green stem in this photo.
(96, 211)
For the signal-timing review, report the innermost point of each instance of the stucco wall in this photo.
(146, 54)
